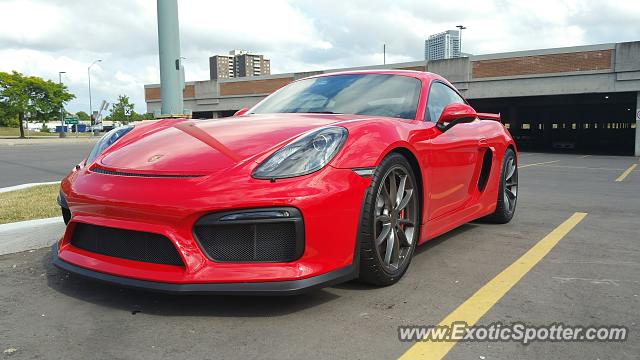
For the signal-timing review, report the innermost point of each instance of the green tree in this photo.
(122, 111)
(83, 116)
(147, 116)
(20, 94)
(9, 120)
(139, 117)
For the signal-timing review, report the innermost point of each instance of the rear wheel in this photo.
(508, 192)
(390, 223)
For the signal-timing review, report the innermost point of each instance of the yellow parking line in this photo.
(626, 172)
(479, 303)
(541, 163)
(581, 167)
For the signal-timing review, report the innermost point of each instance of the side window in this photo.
(440, 95)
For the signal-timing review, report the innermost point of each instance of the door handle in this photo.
(482, 142)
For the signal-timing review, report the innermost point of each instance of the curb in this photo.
(25, 186)
(31, 234)
(13, 141)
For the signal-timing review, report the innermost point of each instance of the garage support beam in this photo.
(638, 124)
(513, 118)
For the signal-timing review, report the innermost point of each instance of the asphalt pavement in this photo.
(589, 278)
(40, 160)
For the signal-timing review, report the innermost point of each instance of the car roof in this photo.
(424, 75)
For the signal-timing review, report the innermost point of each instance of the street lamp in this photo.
(461, 27)
(62, 132)
(91, 105)
(384, 54)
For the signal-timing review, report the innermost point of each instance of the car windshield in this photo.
(365, 94)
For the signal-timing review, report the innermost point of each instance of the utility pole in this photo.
(62, 132)
(90, 104)
(461, 27)
(171, 69)
(384, 54)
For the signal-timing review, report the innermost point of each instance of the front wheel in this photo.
(390, 223)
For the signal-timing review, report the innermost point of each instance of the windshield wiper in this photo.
(322, 112)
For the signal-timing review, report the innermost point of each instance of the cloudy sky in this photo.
(42, 37)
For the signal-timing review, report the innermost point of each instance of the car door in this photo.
(453, 155)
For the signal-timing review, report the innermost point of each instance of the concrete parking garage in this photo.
(581, 99)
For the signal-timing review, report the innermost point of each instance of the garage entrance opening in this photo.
(585, 123)
(202, 115)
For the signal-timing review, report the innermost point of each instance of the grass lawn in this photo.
(9, 131)
(37, 202)
(15, 132)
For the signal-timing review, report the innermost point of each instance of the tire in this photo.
(389, 228)
(508, 191)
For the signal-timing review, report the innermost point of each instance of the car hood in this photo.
(200, 147)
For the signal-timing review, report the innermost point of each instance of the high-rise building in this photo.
(239, 63)
(445, 45)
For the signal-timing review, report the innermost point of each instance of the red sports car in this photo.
(331, 178)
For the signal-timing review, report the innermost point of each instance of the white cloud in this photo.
(42, 37)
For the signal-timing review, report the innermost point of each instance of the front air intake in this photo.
(260, 235)
(125, 244)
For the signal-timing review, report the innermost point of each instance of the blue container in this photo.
(79, 127)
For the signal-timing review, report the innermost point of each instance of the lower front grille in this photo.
(126, 244)
(252, 238)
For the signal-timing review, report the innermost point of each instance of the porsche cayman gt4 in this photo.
(331, 178)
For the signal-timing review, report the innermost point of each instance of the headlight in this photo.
(106, 141)
(303, 156)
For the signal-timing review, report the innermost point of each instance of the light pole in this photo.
(62, 132)
(91, 105)
(461, 27)
(171, 69)
(384, 54)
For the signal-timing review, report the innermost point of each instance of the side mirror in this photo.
(241, 112)
(454, 114)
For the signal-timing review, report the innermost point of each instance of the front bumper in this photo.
(330, 202)
(291, 287)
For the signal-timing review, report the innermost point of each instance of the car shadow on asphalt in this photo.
(137, 301)
(421, 249)
(438, 240)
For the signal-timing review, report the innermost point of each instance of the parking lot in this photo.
(589, 278)
(40, 160)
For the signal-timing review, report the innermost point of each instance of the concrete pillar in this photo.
(171, 70)
(514, 121)
(637, 114)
